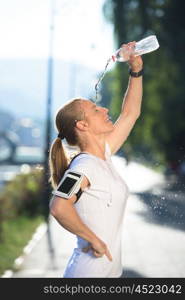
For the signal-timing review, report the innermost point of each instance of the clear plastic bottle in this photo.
(145, 45)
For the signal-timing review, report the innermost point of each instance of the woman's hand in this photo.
(134, 62)
(99, 248)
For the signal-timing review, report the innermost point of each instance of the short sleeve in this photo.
(84, 164)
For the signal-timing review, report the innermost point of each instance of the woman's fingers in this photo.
(108, 254)
(97, 253)
(130, 44)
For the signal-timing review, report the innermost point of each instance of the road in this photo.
(153, 236)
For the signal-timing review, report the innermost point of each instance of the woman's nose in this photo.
(105, 109)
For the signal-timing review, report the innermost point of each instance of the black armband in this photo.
(78, 194)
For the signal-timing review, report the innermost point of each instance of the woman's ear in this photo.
(82, 125)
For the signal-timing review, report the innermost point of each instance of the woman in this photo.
(97, 216)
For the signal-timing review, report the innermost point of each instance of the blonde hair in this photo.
(65, 122)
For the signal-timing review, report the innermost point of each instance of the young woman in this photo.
(96, 216)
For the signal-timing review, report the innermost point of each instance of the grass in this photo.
(16, 234)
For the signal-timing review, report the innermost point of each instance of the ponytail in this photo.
(66, 118)
(58, 162)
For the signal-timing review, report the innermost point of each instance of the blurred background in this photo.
(53, 50)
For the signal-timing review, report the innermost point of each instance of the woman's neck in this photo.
(95, 146)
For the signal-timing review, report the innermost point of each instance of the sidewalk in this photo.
(152, 245)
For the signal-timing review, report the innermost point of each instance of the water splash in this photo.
(101, 78)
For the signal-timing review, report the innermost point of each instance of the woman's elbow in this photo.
(53, 210)
(54, 207)
(59, 206)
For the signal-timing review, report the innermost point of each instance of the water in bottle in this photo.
(144, 46)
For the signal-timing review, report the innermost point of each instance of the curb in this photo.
(36, 237)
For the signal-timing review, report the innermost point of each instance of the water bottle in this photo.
(145, 45)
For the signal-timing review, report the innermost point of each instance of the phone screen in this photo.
(66, 186)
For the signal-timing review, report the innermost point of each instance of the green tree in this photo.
(160, 130)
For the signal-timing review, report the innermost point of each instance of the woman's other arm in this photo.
(64, 212)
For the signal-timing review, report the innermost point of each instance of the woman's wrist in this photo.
(136, 73)
(136, 69)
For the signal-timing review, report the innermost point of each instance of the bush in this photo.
(21, 196)
(16, 233)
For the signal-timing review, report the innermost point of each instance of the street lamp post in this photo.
(46, 187)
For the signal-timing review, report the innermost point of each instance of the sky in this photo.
(80, 34)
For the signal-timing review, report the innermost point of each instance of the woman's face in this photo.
(97, 117)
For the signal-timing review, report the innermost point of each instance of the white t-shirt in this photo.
(101, 207)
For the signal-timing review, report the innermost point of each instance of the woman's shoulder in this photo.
(84, 163)
(82, 158)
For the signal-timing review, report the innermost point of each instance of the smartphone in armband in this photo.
(69, 185)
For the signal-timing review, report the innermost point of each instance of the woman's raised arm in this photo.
(131, 106)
